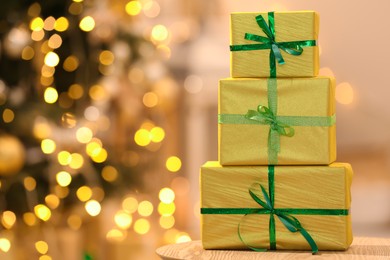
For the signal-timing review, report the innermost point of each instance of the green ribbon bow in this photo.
(264, 115)
(269, 42)
(279, 125)
(290, 222)
(283, 214)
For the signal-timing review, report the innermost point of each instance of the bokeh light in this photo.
(150, 99)
(76, 91)
(87, 24)
(173, 164)
(8, 219)
(193, 84)
(55, 41)
(74, 222)
(28, 53)
(37, 24)
(115, 235)
(145, 208)
(52, 59)
(49, 23)
(42, 247)
(93, 208)
(8, 115)
(109, 173)
(5, 245)
(84, 193)
(48, 146)
(130, 204)
(61, 24)
(141, 226)
(77, 161)
(98, 93)
(45, 257)
(183, 237)
(157, 134)
(75, 8)
(64, 157)
(133, 7)
(166, 195)
(84, 135)
(167, 222)
(71, 63)
(142, 137)
(159, 33)
(100, 157)
(37, 35)
(29, 183)
(52, 201)
(61, 192)
(151, 9)
(42, 212)
(50, 95)
(344, 93)
(63, 178)
(123, 219)
(30, 219)
(165, 209)
(94, 147)
(106, 57)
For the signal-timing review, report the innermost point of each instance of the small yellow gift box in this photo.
(275, 44)
(276, 207)
(277, 121)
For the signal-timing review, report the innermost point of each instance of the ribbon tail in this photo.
(272, 65)
(278, 55)
(310, 240)
(273, 146)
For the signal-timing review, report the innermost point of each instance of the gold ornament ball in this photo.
(12, 155)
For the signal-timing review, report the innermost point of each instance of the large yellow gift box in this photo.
(283, 121)
(282, 44)
(276, 207)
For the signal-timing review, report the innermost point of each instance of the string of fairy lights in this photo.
(136, 213)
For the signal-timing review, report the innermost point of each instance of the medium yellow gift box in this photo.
(277, 121)
(290, 36)
(315, 200)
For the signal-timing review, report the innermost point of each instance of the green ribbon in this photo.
(283, 214)
(269, 42)
(279, 125)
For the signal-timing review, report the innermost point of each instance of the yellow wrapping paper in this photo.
(312, 187)
(289, 26)
(247, 144)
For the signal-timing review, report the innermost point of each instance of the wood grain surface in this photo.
(361, 248)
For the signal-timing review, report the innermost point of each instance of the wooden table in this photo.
(363, 248)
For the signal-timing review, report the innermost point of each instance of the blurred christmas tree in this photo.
(86, 102)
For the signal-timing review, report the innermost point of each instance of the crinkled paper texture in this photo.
(247, 144)
(326, 187)
(289, 26)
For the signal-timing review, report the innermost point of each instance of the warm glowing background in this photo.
(142, 124)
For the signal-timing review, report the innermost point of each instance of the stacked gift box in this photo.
(276, 185)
